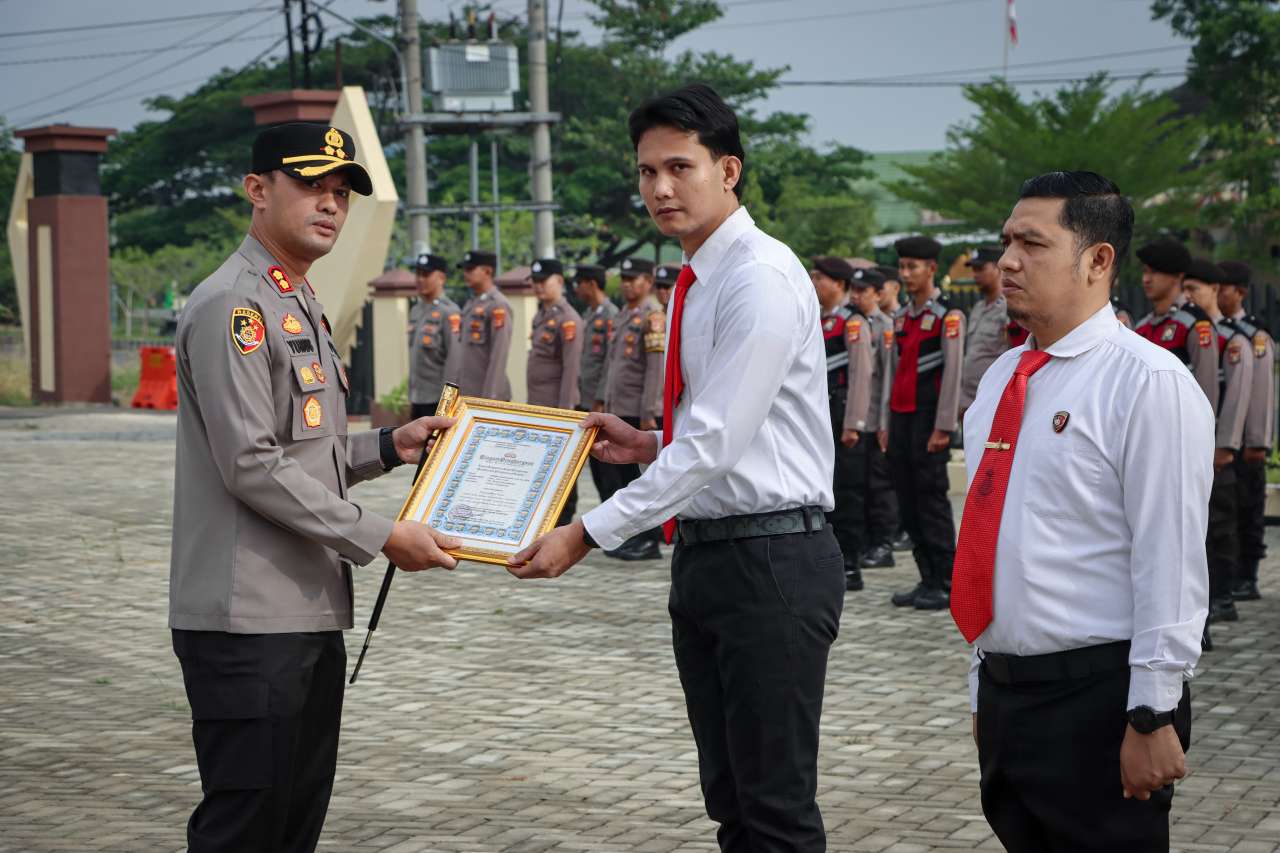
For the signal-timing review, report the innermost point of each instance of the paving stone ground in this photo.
(494, 714)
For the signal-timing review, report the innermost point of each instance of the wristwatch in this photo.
(1145, 720)
(387, 454)
(587, 540)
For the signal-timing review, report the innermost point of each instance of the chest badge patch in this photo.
(291, 324)
(1060, 421)
(927, 322)
(455, 323)
(1167, 334)
(318, 370)
(307, 375)
(247, 331)
(312, 413)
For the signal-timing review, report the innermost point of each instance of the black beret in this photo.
(1236, 272)
(922, 248)
(479, 259)
(428, 262)
(544, 268)
(636, 266)
(867, 277)
(984, 255)
(889, 273)
(666, 275)
(837, 268)
(590, 272)
(306, 150)
(1203, 269)
(1166, 255)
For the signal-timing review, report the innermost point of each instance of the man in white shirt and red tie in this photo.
(745, 463)
(1080, 572)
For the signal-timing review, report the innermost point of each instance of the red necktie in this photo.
(975, 564)
(673, 386)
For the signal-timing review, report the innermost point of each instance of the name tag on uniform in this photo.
(927, 322)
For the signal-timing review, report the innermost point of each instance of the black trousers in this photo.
(607, 478)
(629, 472)
(1050, 760)
(849, 482)
(881, 503)
(265, 714)
(1222, 542)
(920, 481)
(752, 621)
(1251, 500)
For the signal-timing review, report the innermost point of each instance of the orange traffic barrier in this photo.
(158, 381)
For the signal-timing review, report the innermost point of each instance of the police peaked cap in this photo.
(306, 150)
(984, 255)
(478, 259)
(544, 268)
(865, 277)
(428, 262)
(1203, 269)
(1166, 255)
(1236, 272)
(837, 268)
(666, 275)
(920, 247)
(636, 266)
(590, 272)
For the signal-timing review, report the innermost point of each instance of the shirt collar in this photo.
(1239, 315)
(1084, 337)
(706, 261)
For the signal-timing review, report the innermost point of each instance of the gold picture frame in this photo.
(471, 484)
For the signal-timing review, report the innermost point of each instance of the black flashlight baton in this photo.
(448, 395)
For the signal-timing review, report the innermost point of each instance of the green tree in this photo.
(10, 158)
(1134, 138)
(1234, 69)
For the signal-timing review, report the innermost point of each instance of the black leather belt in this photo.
(807, 519)
(1056, 666)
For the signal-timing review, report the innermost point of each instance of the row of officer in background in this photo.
(610, 360)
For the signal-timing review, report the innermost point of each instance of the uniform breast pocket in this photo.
(1064, 477)
(313, 402)
(476, 333)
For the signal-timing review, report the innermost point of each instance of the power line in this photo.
(114, 53)
(140, 22)
(873, 83)
(1043, 62)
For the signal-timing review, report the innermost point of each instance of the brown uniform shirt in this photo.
(1236, 384)
(598, 330)
(634, 385)
(555, 356)
(881, 372)
(1260, 419)
(486, 341)
(435, 351)
(986, 339)
(859, 343)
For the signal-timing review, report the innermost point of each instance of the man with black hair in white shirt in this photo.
(1080, 573)
(744, 461)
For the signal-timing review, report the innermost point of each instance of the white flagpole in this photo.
(1004, 29)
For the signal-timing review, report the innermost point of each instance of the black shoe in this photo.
(852, 579)
(640, 549)
(932, 598)
(1245, 591)
(1223, 610)
(879, 557)
(907, 599)
(902, 542)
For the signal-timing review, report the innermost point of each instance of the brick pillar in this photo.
(292, 105)
(69, 285)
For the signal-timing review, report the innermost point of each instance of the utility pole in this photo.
(415, 155)
(544, 238)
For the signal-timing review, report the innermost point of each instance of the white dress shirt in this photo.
(752, 432)
(1102, 537)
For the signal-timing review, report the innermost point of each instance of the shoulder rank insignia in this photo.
(280, 279)
(247, 331)
(455, 323)
(319, 371)
(1260, 344)
(853, 330)
(499, 317)
(570, 329)
(291, 324)
(1204, 333)
(928, 321)
(951, 325)
(1233, 352)
(312, 413)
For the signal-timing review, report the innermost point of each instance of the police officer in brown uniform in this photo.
(486, 331)
(1251, 462)
(589, 281)
(1235, 382)
(633, 389)
(987, 335)
(555, 352)
(924, 405)
(264, 532)
(435, 327)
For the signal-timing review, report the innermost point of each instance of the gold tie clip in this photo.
(997, 445)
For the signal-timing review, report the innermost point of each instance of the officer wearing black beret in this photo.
(1172, 321)
(435, 329)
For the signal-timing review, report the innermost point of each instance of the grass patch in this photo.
(124, 381)
(15, 378)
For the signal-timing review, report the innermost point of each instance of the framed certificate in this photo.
(499, 477)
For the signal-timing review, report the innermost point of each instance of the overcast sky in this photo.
(820, 40)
